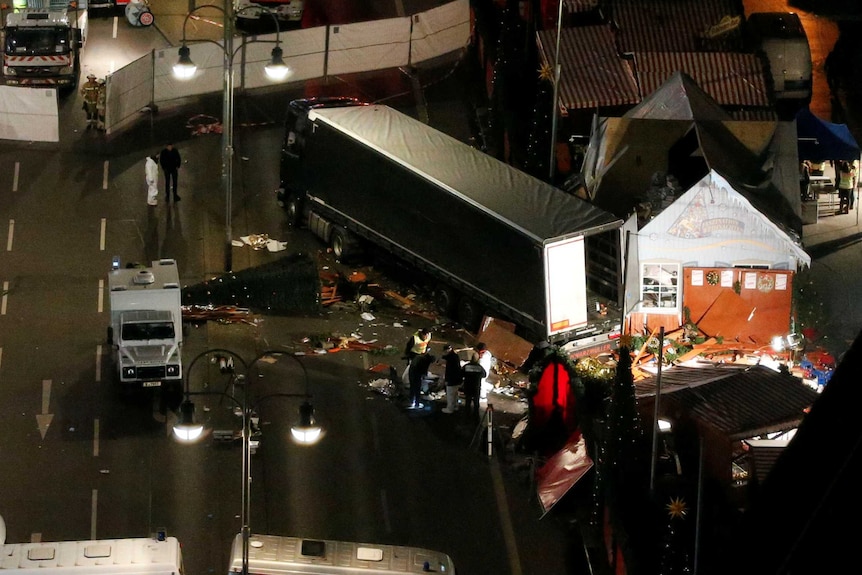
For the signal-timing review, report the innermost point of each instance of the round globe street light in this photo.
(185, 69)
(305, 432)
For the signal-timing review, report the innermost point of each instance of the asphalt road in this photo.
(106, 467)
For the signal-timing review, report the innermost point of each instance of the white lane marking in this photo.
(93, 514)
(385, 507)
(105, 176)
(3, 299)
(505, 519)
(114, 32)
(35, 538)
(96, 437)
(10, 236)
(101, 295)
(44, 419)
(15, 176)
(99, 363)
(102, 234)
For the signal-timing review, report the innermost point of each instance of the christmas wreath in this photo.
(712, 278)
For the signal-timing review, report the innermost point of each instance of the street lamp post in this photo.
(185, 69)
(186, 430)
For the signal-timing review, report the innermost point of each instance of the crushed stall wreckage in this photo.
(219, 313)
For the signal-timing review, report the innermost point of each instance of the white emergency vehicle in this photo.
(42, 47)
(140, 556)
(275, 555)
(146, 328)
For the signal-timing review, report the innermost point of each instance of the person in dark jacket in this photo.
(453, 376)
(170, 160)
(418, 369)
(474, 373)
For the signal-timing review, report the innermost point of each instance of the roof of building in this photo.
(739, 401)
(732, 79)
(592, 73)
(800, 514)
(674, 25)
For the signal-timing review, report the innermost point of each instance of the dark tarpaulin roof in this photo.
(665, 117)
(739, 401)
(527, 203)
(820, 140)
(679, 98)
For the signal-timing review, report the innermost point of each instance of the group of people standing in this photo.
(170, 160)
(470, 375)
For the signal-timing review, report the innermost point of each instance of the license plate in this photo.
(152, 384)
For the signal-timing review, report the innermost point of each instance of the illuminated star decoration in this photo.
(546, 73)
(677, 508)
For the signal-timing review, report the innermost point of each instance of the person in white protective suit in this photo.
(151, 171)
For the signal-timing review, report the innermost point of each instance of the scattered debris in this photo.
(204, 124)
(262, 241)
(219, 313)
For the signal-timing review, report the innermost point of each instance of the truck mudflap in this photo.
(593, 345)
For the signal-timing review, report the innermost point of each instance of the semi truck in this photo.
(42, 47)
(490, 239)
(146, 324)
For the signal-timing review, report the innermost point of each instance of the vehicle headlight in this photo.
(172, 370)
(130, 372)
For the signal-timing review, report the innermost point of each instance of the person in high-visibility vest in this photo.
(90, 92)
(416, 345)
(846, 183)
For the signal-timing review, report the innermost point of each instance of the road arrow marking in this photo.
(43, 420)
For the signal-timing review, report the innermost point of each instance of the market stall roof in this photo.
(592, 74)
(800, 513)
(732, 79)
(820, 140)
(738, 401)
(674, 26)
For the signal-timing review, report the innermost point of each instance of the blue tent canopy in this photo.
(819, 140)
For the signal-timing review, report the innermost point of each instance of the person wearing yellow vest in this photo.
(416, 345)
(846, 185)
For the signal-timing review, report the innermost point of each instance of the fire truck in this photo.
(42, 47)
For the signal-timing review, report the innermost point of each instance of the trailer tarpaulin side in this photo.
(538, 209)
(29, 114)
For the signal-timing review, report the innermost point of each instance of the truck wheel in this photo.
(469, 313)
(445, 300)
(292, 210)
(343, 245)
(110, 340)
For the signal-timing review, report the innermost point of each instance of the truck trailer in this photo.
(42, 47)
(491, 239)
(146, 329)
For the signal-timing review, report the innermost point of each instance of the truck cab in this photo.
(42, 48)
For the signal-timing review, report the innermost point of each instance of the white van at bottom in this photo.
(274, 555)
(139, 556)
